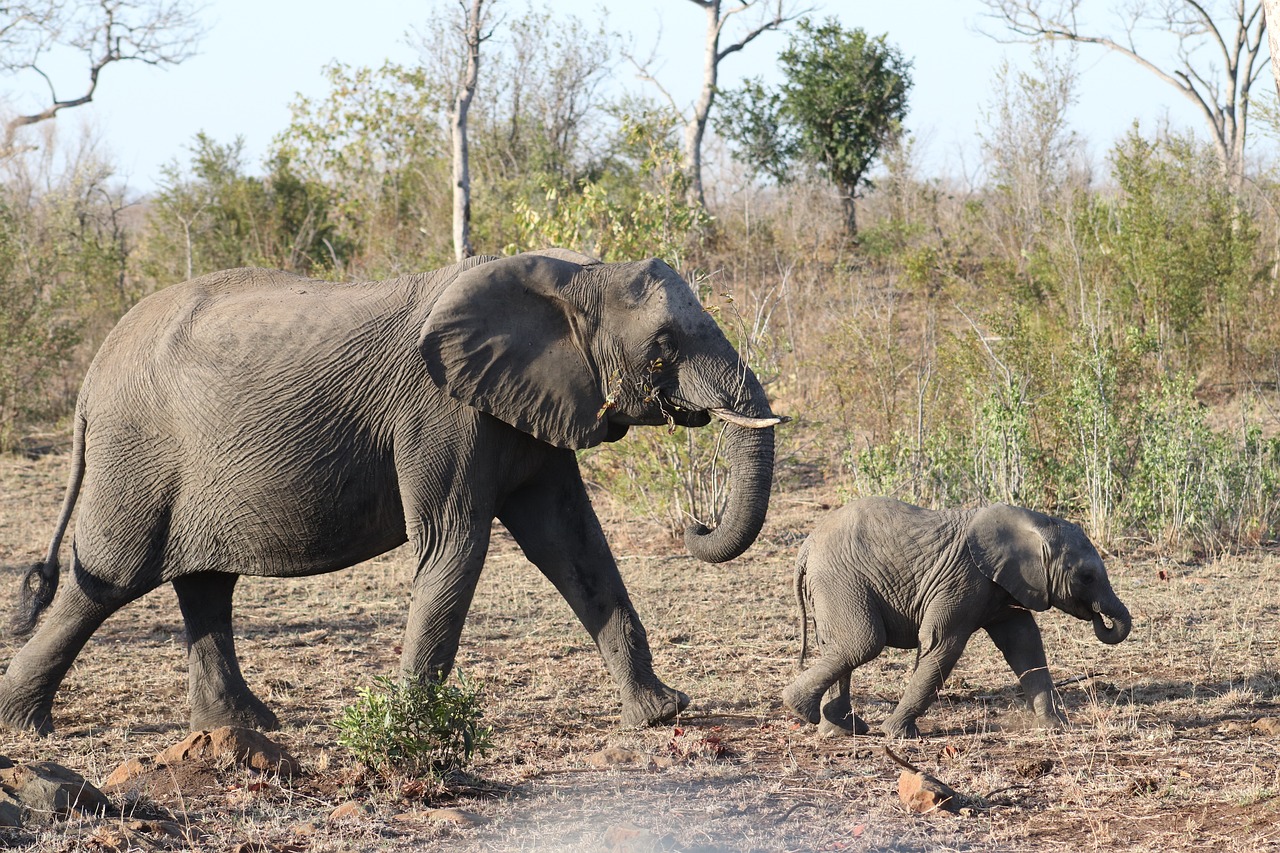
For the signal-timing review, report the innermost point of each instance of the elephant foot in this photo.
(22, 716)
(1050, 721)
(651, 707)
(247, 712)
(895, 728)
(837, 724)
(803, 704)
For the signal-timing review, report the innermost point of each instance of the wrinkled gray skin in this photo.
(880, 572)
(253, 422)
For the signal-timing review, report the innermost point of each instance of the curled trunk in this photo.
(1117, 615)
(750, 455)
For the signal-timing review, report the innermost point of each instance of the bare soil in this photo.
(1165, 751)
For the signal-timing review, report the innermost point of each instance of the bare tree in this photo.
(1271, 8)
(154, 32)
(1216, 55)
(473, 34)
(772, 15)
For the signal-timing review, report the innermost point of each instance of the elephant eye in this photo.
(1087, 578)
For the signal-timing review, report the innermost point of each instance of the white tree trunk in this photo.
(462, 248)
(696, 128)
(1271, 9)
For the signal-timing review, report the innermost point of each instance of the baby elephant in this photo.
(880, 572)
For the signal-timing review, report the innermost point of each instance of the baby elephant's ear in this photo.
(1007, 545)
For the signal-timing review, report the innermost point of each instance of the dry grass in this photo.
(1161, 754)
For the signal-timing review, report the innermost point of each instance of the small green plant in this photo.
(415, 727)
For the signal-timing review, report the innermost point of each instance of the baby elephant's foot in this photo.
(843, 726)
(896, 728)
(651, 707)
(805, 704)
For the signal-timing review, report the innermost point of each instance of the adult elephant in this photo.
(254, 422)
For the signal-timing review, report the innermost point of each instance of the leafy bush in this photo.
(415, 727)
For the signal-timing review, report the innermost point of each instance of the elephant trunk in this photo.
(1117, 615)
(749, 443)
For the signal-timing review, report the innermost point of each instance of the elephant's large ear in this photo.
(505, 338)
(1008, 546)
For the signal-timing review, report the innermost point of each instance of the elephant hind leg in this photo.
(844, 647)
(37, 670)
(219, 694)
(838, 718)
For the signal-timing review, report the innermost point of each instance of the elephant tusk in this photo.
(730, 416)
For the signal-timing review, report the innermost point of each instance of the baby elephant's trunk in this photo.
(1111, 621)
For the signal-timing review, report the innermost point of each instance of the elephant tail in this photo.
(41, 580)
(802, 560)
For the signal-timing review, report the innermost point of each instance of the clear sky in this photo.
(259, 53)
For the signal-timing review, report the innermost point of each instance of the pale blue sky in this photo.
(258, 54)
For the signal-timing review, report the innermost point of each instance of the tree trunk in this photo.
(696, 129)
(462, 247)
(1271, 9)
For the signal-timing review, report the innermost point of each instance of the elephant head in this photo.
(1043, 561)
(574, 352)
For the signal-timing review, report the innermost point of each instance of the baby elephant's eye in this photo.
(1087, 578)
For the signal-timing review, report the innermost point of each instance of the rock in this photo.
(10, 810)
(46, 790)
(350, 810)
(1267, 726)
(127, 772)
(457, 817)
(1033, 768)
(614, 756)
(232, 743)
(629, 838)
(922, 793)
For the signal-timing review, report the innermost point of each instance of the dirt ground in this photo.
(1165, 750)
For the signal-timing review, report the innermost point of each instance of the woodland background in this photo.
(1097, 339)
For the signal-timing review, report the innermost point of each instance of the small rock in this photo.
(349, 810)
(629, 838)
(614, 756)
(457, 817)
(45, 789)
(922, 793)
(128, 771)
(10, 810)
(1268, 726)
(1033, 768)
(244, 746)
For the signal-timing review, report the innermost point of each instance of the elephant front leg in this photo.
(219, 694)
(443, 588)
(935, 663)
(555, 525)
(1018, 639)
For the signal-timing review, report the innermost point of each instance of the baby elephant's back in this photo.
(891, 543)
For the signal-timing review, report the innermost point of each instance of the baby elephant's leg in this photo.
(932, 668)
(850, 633)
(1018, 638)
(838, 717)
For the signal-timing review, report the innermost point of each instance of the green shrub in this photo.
(415, 727)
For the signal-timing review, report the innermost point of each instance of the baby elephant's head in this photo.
(1046, 562)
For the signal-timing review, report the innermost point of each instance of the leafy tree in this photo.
(844, 97)
(63, 253)
(216, 216)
